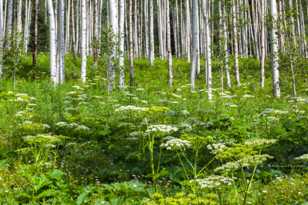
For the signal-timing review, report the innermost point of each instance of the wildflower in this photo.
(22, 95)
(73, 125)
(176, 96)
(161, 128)
(20, 113)
(131, 108)
(82, 128)
(227, 96)
(213, 181)
(303, 157)
(231, 105)
(77, 87)
(248, 161)
(61, 124)
(46, 126)
(260, 142)
(185, 126)
(175, 144)
(27, 122)
(32, 105)
(185, 112)
(216, 148)
(71, 93)
(140, 89)
(269, 111)
(248, 96)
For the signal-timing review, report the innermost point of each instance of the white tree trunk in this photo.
(235, 38)
(19, 22)
(1, 37)
(53, 43)
(170, 66)
(152, 45)
(114, 24)
(188, 29)
(195, 43)
(262, 60)
(9, 23)
(83, 40)
(275, 57)
(208, 51)
(226, 49)
(121, 42)
(61, 40)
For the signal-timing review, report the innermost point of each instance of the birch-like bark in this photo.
(83, 41)
(68, 26)
(235, 46)
(61, 40)
(152, 44)
(262, 60)
(170, 66)
(131, 44)
(188, 29)
(27, 25)
(195, 43)
(208, 51)
(34, 30)
(53, 43)
(19, 23)
(114, 23)
(1, 37)
(121, 43)
(9, 24)
(275, 54)
(226, 49)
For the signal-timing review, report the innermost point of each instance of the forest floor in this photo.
(150, 144)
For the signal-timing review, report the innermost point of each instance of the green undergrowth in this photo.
(150, 144)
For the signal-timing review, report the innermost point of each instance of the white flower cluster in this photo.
(226, 96)
(216, 148)
(131, 108)
(248, 161)
(43, 139)
(175, 144)
(248, 96)
(303, 157)
(269, 111)
(231, 105)
(72, 125)
(161, 128)
(213, 181)
(260, 142)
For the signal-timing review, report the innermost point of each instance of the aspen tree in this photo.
(9, 24)
(53, 43)
(27, 25)
(121, 43)
(188, 29)
(131, 48)
(208, 51)
(274, 45)
(114, 23)
(19, 22)
(1, 37)
(61, 39)
(225, 39)
(235, 41)
(34, 30)
(151, 21)
(195, 43)
(170, 66)
(83, 40)
(262, 60)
